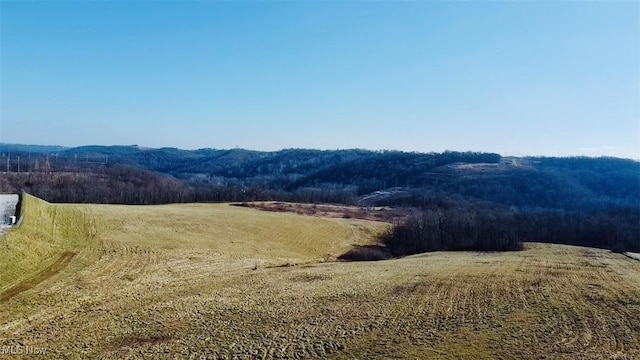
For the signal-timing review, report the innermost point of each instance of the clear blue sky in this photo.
(534, 78)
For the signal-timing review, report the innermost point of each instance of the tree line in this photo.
(495, 205)
(479, 227)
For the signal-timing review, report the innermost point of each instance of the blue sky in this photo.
(517, 78)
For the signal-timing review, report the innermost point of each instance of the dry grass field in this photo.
(217, 281)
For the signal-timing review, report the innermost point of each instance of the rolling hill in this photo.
(137, 175)
(217, 281)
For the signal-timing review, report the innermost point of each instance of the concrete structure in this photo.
(8, 204)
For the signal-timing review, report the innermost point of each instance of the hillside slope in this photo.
(48, 234)
(135, 175)
(212, 281)
(52, 234)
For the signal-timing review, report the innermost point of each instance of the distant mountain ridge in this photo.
(344, 176)
(42, 149)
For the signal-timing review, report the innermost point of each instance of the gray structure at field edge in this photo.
(8, 203)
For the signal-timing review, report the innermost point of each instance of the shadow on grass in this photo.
(366, 253)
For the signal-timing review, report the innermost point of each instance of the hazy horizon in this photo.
(143, 147)
(518, 79)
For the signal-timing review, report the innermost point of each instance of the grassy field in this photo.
(217, 281)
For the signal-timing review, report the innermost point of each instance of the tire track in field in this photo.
(43, 275)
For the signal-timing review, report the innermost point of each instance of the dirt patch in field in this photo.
(384, 214)
(408, 289)
(139, 340)
(309, 277)
(43, 275)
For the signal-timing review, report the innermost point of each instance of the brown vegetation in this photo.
(384, 214)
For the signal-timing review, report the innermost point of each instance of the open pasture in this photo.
(216, 281)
